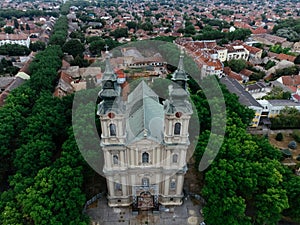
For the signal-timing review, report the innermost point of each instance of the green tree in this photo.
(279, 137)
(57, 39)
(237, 65)
(37, 46)
(27, 27)
(147, 26)
(277, 93)
(120, 32)
(296, 135)
(131, 25)
(96, 47)
(269, 64)
(239, 34)
(73, 47)
(78, 35)
(8, 30)
(292, 187)
(190, 29)
(297, 60)
(80, 61)
(16, 24)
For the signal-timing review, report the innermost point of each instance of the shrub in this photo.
(296, 135)
(279, 137)
(292, 145)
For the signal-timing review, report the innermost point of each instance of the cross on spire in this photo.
(106, 48)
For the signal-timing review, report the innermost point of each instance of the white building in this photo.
(237, 52)
(273, 107)
(20, 39)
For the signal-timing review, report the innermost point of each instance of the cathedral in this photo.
(144, 141)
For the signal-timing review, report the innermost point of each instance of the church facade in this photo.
(144, 142)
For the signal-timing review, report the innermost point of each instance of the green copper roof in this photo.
(180, 73)
(109, 73)
(145, 114)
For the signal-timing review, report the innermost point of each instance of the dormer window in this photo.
(177, 128)
(112, 130)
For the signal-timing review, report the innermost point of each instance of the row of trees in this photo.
(10, 13)
(287, 119)
(41, 177)
(288, 28)
(14, 50)
(59, 32)
(208, 33)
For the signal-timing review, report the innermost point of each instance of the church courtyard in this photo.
(188, 213)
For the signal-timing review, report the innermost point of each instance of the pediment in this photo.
(144, 143)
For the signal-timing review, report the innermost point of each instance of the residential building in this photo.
(245, 98)
(19, 79)
(237, 52)
(272, 108)
(20, 39)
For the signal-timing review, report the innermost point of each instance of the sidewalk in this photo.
(187, 213)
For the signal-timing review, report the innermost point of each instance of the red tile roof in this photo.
(259, 30)
(251, 49)
(232, 74)
(291, 80)
(297, 97)
(246, 72)
(120, 74)
(282, 56)
(13, 37)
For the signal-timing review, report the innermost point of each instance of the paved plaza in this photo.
(186, 214)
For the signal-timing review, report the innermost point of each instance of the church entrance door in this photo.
(145, 201)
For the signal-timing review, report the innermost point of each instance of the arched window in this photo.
(145, 182)
(112, 129)
(177, 128)
(115, 159)
(175, 158)
(145, 157)
(173, 184)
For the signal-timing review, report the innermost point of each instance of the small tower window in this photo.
(175, 158)
(177, 128)
(145, 182)
(112, 129)
(118, 186)
(145, 157)
(115, 159)
(173, 184)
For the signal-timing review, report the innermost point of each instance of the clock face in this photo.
(111, 115)
(178, 114)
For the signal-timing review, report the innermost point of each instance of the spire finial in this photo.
(106, 48)
(108, 72)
